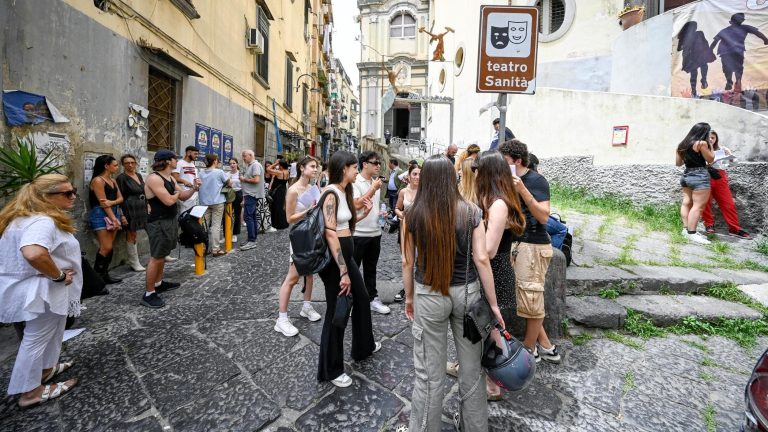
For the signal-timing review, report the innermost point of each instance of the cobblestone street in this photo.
(210, 360)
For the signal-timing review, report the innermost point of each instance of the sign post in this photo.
(507, 50)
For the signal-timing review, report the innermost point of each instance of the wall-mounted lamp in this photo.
(314, 82)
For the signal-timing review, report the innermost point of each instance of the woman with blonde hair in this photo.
(467, 181)
(471, 152)
(40, 283)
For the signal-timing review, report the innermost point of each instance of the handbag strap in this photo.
(466, 267)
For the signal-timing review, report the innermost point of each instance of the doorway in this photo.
(401, 124)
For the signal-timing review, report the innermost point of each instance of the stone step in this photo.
(757, 292)
(663, 310)
(640, 279)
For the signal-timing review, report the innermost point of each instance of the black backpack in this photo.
(310, 250)
(567, 241)
(192, 232)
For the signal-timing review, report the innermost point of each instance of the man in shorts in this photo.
(533, 252)
(163, 194)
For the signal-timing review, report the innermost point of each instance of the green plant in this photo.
(20, 165)
(665, 290)
(709, 417)
(609, 293)
(622, 339)
(706, 361)
(700, 347)
(629, 383)
(761, 245)
(638, 325)
(730, 291)
(582, 339)
(744, 332)
(720, 247)
(706, 376)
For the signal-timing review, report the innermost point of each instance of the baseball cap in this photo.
(165, 155)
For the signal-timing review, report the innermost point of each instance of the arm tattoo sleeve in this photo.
(330, 212)
(340, 261)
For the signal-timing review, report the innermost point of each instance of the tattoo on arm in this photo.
(329, 212)
(340, 261)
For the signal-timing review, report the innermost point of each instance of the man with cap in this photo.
(508, 135)
(163, 194)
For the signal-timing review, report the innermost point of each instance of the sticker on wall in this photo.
(229, 143)
(620, 135)
(202, 140)
(144, 166)
(215, 147)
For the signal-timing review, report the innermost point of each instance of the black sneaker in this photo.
(167, 286)
(400, 296)
(152, 301)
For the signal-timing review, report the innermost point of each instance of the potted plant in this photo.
(631, 15)
(19, 166)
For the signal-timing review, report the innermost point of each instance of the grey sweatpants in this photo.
(433, 312)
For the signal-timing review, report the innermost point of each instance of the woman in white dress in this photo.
(40, 283)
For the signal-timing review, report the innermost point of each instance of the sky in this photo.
(345, 47)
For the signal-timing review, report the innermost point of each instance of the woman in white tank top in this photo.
(342, 277)
(296, 211)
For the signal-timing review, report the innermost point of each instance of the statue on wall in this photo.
(388, 97)
(437, 55)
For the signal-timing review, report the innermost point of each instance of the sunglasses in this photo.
(374, 162)
(69, 194)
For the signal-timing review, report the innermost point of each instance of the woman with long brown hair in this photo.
(341, 276)
(40, 283)
(504, 223)
(695, 152)
(445, 233)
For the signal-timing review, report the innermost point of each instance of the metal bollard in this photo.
(199, 256)
(228, 227)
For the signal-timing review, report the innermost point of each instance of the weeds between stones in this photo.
(706, 361)
(582, 339)
(622, 339)
(665, 290)
(761, 245)
(729, 291)
(629, 383)
(720, 247)
(638, 325)
(609, 293)
(625, 256)
(700, 347)
(709, 417)
(706, 377)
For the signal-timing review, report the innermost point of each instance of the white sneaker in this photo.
(376, 346)
(271, 230)
(342, 380)
(310, 313)
(286, 327)
(379, 307)
(697, 238)
(247, 246)
(234, 239)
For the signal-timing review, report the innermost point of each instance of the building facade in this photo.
(238, 74)
(391, 42)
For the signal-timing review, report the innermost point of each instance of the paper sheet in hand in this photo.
(69, 334)
(723, 160)
(198, 211)
(311, 196)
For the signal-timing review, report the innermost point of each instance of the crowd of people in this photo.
(472, 226)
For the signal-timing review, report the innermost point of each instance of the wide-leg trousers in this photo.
(39, 349)
(331, 363)
(433, 313)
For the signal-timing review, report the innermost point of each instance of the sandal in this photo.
(59, 368)
(218, 253)
(494, 397)
(452, 369)
(60, 390)
(710, 229)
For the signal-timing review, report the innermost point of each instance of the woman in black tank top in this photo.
(106, 219)
(695, 153)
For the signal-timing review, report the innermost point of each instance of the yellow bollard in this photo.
(228, 227)
(199, 257)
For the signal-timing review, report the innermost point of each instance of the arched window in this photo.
(402, 25)
(555, 18)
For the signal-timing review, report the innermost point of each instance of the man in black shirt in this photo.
(534, 251)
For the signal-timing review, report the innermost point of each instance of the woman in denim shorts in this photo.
(105, 217)
(695, 152)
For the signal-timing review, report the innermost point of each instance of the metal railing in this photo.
(414, 148)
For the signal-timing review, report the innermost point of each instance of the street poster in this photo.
(508, 43)
(216, 140)
(228, 146)
(22, 107)
(720, 52)
(89, 159)
(202, 140)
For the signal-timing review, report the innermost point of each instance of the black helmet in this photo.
(510, 366)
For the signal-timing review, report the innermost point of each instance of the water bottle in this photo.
(383, 215)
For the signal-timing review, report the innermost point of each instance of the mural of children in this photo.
(696, 54)
(731, 49)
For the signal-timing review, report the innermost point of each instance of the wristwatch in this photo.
(62, 277)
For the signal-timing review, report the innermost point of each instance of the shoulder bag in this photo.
(478, 320)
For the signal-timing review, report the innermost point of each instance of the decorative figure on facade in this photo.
(388, 98)
(437, 55)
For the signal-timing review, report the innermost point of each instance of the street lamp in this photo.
(314, 83)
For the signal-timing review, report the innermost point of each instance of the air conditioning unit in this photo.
(255, 41)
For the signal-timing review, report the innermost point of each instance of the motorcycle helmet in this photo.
(511, 366)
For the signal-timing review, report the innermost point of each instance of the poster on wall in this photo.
(720, 52)
(202, 140)
(228, 148)
(216, 143)
(22, 107)
(88, 160)
(144, 166)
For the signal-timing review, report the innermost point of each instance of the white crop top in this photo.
(343, 214)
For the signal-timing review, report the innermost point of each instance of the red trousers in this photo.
(721, 192)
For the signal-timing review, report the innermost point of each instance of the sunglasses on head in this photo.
(69, 194)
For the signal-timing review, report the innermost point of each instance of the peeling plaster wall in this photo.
(91, 74)
(660, 184)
